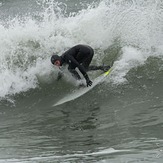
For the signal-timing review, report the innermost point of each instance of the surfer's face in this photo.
(57, 63)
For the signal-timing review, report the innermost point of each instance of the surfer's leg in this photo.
(86, 62)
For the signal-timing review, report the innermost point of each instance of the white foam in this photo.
(130, 58)
(67, 157)
(26, 44)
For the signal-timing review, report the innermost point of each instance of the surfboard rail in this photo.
(78, 93)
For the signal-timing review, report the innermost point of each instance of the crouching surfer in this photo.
(79, 56)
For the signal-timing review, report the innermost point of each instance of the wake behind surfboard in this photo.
(76, 94)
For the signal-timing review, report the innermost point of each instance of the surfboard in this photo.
(81, 91)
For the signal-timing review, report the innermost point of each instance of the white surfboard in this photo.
(81, 91)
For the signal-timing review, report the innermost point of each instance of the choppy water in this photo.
(118, 121)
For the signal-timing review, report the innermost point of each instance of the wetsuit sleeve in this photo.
(80, 67)
(60, 75)
(74, 73)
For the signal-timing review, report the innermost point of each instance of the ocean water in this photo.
(119, 120)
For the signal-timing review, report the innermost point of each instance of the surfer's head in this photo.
(56, 60)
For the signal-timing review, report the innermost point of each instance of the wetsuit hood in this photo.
(55, 58)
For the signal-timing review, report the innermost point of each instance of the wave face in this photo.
(128, 32)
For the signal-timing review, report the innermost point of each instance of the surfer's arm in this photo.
(81, 69)
(76, 64)
(74, 73)
(60, 75)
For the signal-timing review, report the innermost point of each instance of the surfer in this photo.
(79, 56)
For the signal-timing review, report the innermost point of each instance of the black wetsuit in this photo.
(79, 56)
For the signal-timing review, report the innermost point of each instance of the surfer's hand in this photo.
(60, 75)
(89, 82)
